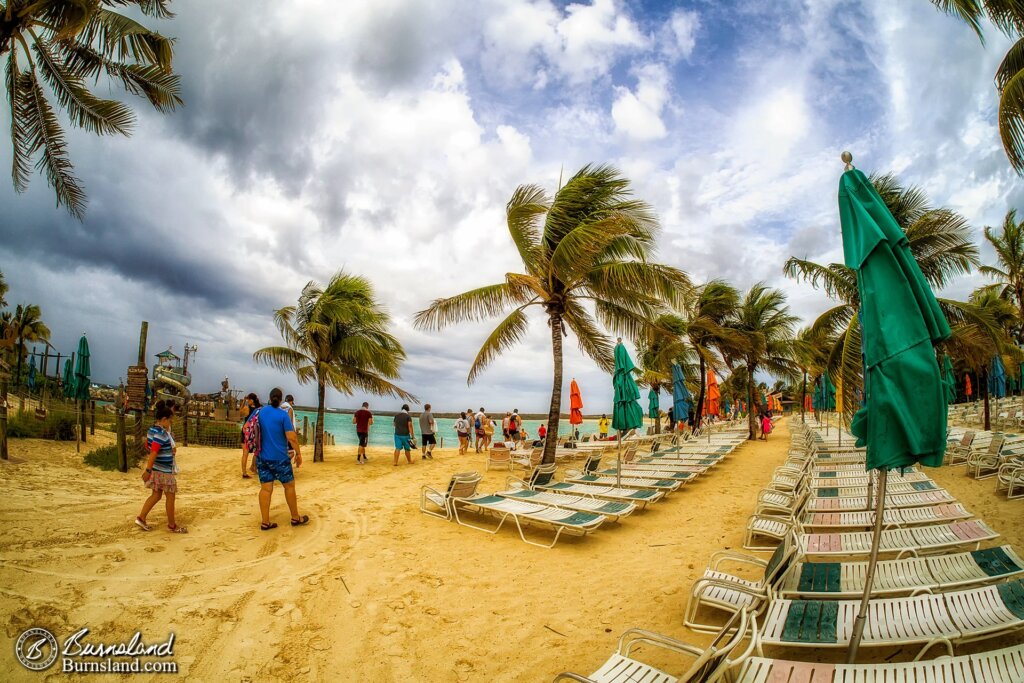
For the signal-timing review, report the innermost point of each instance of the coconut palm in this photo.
(764, 320)
(1008, 17)
(25, 324)
(1008, 244)
(662, 344)
(713, 305)
(65, 44)
(586, 254)
(337, 336)
(941, 243)
(810, 353)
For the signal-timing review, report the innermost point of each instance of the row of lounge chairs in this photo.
(583, 500)
(924, 593)
(990, 455)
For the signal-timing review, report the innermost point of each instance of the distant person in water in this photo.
(427, 431)
(542, 431)
(462, 431)
(362, 419)
(158, 474)
(250, 404)
(404, 434)
(277, 433)
(602, 427)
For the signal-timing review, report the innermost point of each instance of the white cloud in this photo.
(637, 114)
(679, 34)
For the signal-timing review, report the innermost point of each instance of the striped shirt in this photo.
(165, 456)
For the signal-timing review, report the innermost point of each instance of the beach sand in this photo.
(371, 589)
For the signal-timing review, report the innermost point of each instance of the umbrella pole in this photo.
(618, 461)
(858, 625)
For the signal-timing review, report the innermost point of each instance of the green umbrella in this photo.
(68, 380)
(948, 378)
(903, 419)
(626, 411)
(653, 405)
(82, 370)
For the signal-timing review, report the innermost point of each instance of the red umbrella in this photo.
(967, 386)
(575, 404)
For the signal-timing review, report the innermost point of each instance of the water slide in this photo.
(171, 382)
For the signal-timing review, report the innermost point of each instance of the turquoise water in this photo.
(382, 431)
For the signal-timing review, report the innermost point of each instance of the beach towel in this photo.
(251, 433)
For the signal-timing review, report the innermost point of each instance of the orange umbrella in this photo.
(575, 404)
(712, 403)
(967, 386)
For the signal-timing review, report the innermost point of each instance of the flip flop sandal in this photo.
(142, 525)
(178, 529)
(300, 522)
(268, 527)
(246, 476)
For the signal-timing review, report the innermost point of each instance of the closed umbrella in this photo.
(653, 404)
(997, 378)
(903, 420)
(68, 380)
(575, 406)
(82, 372)
(31, 381)
(626, 412)
(712, 406)
(948, 378)
(968, 389)
(682, 401)
(828, 393)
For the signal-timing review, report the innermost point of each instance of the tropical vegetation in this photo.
(586, 254)
(58, 52)
(337, 336)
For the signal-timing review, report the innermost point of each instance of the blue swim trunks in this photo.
(269, 470)
(403, 443)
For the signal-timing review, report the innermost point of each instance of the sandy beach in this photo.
(371, 590)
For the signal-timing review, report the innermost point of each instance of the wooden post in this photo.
(92, 418)
(140, 440)
(122, 445)
(305, 429)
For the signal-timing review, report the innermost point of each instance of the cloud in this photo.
(637, 114)
(679, 34)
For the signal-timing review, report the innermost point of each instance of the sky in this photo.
(385, 138)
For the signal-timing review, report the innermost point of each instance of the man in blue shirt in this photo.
(277, 434)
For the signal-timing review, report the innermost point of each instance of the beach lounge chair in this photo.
(499, 457)
(709, 664)
(1010, 478)
(520, 489)
(527, 463)
(997, 666)
(438, 504)
(665, 485)
(957, 616)
(912, 541)
(891, 501)
(891, 518)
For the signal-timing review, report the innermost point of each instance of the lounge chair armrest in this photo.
(569, 676)
(637, 636)
(731, 555)
(699, 584)
(429, 489)
(515, 483)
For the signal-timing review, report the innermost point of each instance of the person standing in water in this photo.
(427, 431)
(362, 419)
(277, 433)
(158, 474)
(462, 430)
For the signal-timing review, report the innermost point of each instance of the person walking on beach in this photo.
(277, 433)
(602, 427)
(766, 425)
(488, 425)
(462, 430)
(505, 425)
(427, 429)
(515, 423)
(362, 419)
(250, 404)
(404, 434)
(158, 474)
(286, 406)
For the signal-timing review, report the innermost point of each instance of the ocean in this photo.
(382, 432)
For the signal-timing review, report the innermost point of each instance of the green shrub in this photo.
(58, 428)
(23, 427)
(104, 457)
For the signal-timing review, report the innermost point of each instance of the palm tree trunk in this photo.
(752, 429)
(803, 399)
(657, 418)
(551, 442)
(21, 352)
(984, 393)
(698, 414)
(318, 443)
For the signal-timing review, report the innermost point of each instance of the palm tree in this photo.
(1008, 17)
(713, 305)
(3, 290)
(764, 320)
(26, 323)
(336, 336)
(1009, 274)
(585, 249)
(941, 243)
(66, 43)
(810, 353)
(661, 345)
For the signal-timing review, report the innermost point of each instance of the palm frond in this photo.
(125, 38)
(20, 158)
(282, 358)
(592, 342)
(838, 281)
(509, 332)
(1012, 64)
(523, 214)
(476, 304)
(616, 279)
(943, 246)
(1011, 121)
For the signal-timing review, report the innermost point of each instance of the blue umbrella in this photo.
(31, 382)
(997, 378)
(681, 398)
